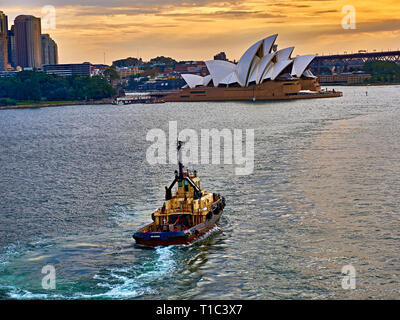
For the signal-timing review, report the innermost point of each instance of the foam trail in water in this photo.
(133, 281)
(10, 251)
(136, 285)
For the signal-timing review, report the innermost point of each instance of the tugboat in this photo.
(186, 215)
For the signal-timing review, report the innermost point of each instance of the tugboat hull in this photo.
(154, 239)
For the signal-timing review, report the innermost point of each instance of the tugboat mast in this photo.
(179, 148)
(179, 177)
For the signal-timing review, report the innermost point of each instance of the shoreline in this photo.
(360, 84)
(110, 101)
(61, 104)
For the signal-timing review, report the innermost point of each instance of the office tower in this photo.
(3, 41)
(27, 30)
(12, 53)
(49, 50)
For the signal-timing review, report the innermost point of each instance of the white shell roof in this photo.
(284, 54)
(193, 80)
(231, 78)
(262, 67)
(268, 43)
(283, 60)
(257, 64)
(308, 74)
(206, 80)
(300, 64)
(268, 72)
(245, 62)
(276, 69)
(279, 67)
(254, 70)
(219, 69)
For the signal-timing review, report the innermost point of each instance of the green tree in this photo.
(38, 86)
(382, 71)
(128, 62)
(111, 74)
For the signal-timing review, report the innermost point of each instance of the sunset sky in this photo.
(198, 29)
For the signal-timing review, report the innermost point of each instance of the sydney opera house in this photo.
(262, 73)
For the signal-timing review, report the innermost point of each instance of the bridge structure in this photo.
(343, 62)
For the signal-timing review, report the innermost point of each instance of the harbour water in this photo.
(324, 194)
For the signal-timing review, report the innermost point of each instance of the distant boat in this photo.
(138, 99)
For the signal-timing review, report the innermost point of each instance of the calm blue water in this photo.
(325, 193)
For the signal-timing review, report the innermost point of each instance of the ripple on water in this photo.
(324, 194)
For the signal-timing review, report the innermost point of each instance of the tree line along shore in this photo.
(30, 88)
(37, 89)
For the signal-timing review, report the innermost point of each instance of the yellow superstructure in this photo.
(185, 202)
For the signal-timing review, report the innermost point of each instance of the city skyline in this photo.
(23, 46)
(198, 30)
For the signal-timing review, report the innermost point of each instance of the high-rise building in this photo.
(12, 52)
(3, 41)
(27, 30)
(49, 50)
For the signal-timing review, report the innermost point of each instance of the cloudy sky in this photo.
(198, 29)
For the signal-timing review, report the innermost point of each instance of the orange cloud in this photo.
(199, 29)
